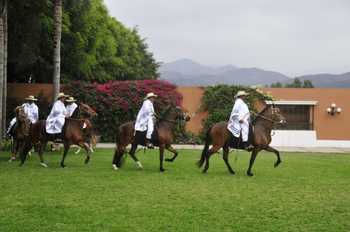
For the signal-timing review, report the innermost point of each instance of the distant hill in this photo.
(325, 80)
(186, 72)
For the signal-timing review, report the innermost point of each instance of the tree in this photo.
(94, 46)
(276, 85)
(307, 84)
(57, 46)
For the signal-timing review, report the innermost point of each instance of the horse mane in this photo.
(260, 113)
(165, 113)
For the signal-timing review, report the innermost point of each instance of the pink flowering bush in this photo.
(117, 102)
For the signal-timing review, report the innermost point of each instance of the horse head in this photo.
(20, 114)
(87, 110)
(276, 115)
(174, 113)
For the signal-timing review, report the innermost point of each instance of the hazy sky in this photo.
(294, 37)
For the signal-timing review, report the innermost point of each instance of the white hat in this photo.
(71, 99)
(149, 95)
(241, 93)
(31, 98)
(61, 95)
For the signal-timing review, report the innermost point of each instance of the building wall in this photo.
(192, 97)
(328, 127)
(21, 90)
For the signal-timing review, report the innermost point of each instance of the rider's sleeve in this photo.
(36, 113)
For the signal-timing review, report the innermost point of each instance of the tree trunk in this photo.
(57, 46)
(1, 71)
(4, 94)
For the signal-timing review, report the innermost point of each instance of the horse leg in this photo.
(24, 152)
(161, 157)
(132, 154)
(118, 155)
(271, 149)
(66, 148)
(225, 157)
(86, 147)
(251, 162)
(40, 152)
(211, 151)
(172, 150)
(14, 150)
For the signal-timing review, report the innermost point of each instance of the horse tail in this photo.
(205, 150)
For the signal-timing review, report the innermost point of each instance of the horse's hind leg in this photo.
(211, 151)
(172, 150)
(161, 157)
(271, 149)
(251, 162)
(42, 146)
(66, 148)
(132, 154)
(226, 150)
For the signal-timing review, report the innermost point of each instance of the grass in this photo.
(308, 192)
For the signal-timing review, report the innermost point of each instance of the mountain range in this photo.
(186, 72)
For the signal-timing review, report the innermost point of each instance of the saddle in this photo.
(140, 137)
(238, 143)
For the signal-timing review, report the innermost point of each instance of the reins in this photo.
(263, 117)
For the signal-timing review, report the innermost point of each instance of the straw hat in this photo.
(241, 93)
(71, 99)
(149, 95)
(60, 95)
(30, 98)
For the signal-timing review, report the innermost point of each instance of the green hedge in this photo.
(218, 102)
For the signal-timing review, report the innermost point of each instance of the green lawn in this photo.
(308, 192)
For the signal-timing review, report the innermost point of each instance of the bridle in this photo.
(266, 118)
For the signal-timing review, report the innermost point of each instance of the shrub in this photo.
(218, 102)
(117, 102)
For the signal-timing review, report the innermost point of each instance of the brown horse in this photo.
(220, 137)
(75, 131)
(162, 137)
(20, 131)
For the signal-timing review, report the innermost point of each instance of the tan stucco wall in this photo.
(192, 97)
(335, 127)
(20, 91)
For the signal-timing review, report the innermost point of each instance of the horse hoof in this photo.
(277, 163)
(169, 160)
(250, 174)
(139, 165)
(114, 167)
(87, 160)
(232, 173)
(43, 165)
(162, 170)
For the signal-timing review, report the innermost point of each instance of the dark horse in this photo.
(220, 137)
(162, 137)
(75, 131)
(20, 131)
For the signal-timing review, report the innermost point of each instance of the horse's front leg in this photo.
(271, 149)
(86, 147)
(172, 150)
(66, 148)
(251, 162)
(161, 157)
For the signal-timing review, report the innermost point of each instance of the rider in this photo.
(145, 118)
(30, 109)
(57, 116)
(239, 120)
(71, 106)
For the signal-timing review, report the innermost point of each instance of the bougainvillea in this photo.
(117, 102)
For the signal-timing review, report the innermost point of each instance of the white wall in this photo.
(304, 138)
